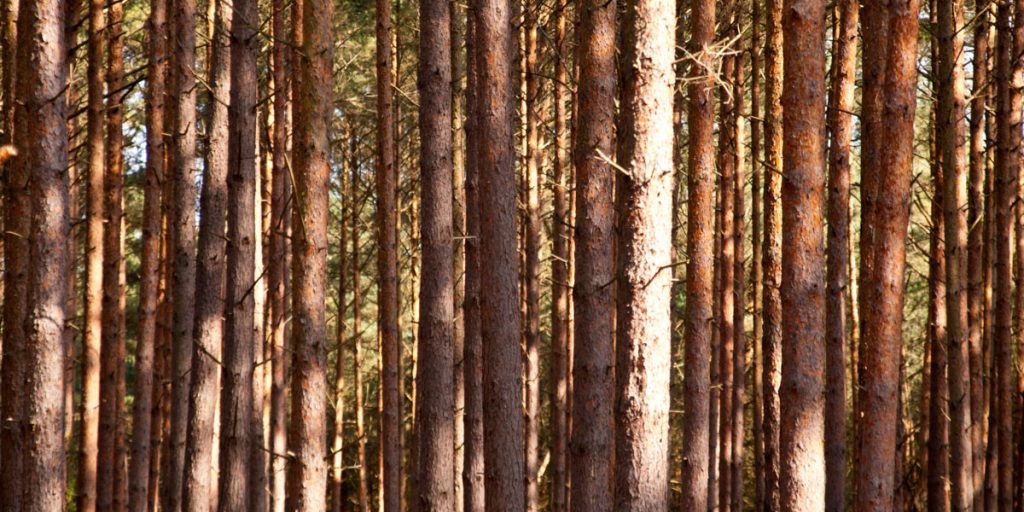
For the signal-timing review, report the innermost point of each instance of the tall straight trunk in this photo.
(840, 126)
(499, 318)
(72, 327)
(802, 462)
(239, 411)
(771, 333)
(1007, 169)
(307, 472)
(149, 273)
(277, 273)
(1016, 104)
(533, 245)
(435, 415)
(950, 125)
(456, 45)
(561, 233)
(643, 351)
(882, 284)
(40, 89)
(473, 466)
(756, 255)
(199, 480)
(387, 264)
(739, 359)
(937, 470)
(15, 245)
(357, 349)
(592, 444)
(183, 228)
(338, 436)
(700, 243)
(111, 441)
(975, 248)
(716, 338)
(88, 453)
(727, 256)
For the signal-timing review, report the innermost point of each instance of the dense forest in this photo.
(512, 255)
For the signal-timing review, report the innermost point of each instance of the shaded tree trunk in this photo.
(591, 445)
(937, 469)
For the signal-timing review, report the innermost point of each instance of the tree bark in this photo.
(88, 454)
(200, 482)
(592, 444)
(149, 273)
(937, 470)
(435, 415)
(499, 318)
(644, 354)
(840, 126)
(802, 463)
(307, 473)
(739, 360)
(882, 283)
(239, 411)
(41, 85)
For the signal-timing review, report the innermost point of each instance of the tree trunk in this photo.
(802, 463)
(200, 482)
(882, 285)
(111, 439)
(756, 254)
(644, 354)
(435, 415)
(950, 124)
(499, 318)
(937, 469)
(307, 474)
(149, 273)
(840, 126)
(561, 233)
(16, 226)
(183, 275)
(456, 46)
(88, 454)
(387, 264)
(771, 334)
(739, 360)
(347, 209)
(473, 467)
(41, 84)
(239, 412)
(592, 444)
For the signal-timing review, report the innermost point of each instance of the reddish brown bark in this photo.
(499, 319)
(435, 413)
(756, 177)
(882, 283)
(840, 126)
(41, 85)
(88, 453)
(307, 472)
(739, 359)
(643, 351)
(591, 443)
(149, 274)
(802, 462)
(937, 469)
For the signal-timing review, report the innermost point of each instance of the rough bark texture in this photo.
(205, 376)
(802, 462)
(591, 446)
(88, 448)
(756, 256)
(473, 468)
(109, 483)
(739, 359)
(44, 141)
(435, 415)
(643, 352)
(149, 273)
(840, 126)
(240, 413)
(16, 226)
(499, 318)
(183, 228)
(937, 470)
(457, 55)
(950, 124)
(882, 280)
(387, 264)
(307, 472)
(771, 335)
(699, 268)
